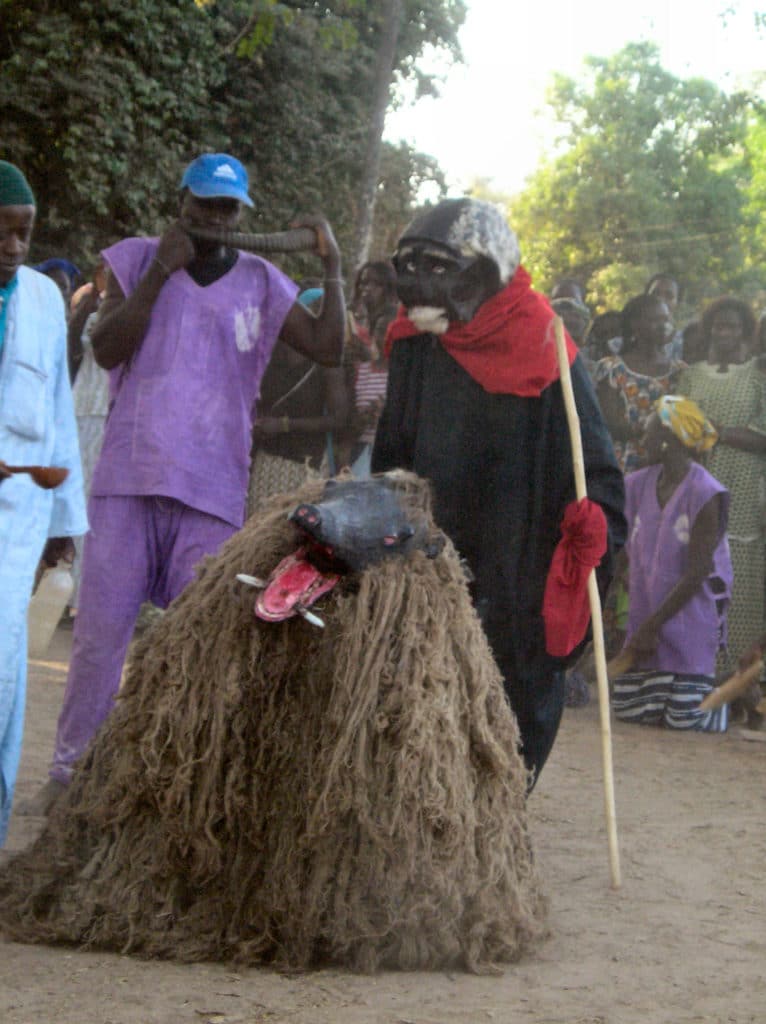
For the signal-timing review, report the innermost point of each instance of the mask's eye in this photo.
(405, 261)
(438, 266)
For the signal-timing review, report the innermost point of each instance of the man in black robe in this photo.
(475, 405)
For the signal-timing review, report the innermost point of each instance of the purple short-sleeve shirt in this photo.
(180, 416)
(658, 550)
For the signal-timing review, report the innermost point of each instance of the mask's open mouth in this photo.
(297, 582)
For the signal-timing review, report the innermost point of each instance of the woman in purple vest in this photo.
(185, 330)
(680, 575)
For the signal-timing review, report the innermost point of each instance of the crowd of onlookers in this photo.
(321, 418)
(639, 354)
(673, 399)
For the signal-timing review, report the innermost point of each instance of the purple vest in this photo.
(658, 550)
(181, 410)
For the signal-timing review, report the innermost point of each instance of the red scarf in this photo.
(509, 346)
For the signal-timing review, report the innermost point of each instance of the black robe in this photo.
(502, 474)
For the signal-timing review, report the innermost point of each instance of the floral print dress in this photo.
(639, 393)
(737, 398)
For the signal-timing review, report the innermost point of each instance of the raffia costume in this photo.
(274, 792)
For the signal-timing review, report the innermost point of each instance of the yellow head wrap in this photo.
(687, 421)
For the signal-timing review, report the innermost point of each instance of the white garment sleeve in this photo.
(68, 515)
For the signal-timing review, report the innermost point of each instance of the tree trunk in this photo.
(391, 21)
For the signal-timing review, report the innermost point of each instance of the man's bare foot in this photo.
(40, 804)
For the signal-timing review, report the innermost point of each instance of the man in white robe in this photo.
(37, 427)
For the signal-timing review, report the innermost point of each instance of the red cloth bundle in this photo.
(566, 610)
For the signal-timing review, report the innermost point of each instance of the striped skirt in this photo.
(664, 698)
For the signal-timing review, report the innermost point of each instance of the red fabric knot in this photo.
(566, 610)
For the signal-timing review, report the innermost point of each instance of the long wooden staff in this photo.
(595, 609)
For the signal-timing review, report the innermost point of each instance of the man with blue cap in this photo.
(37, 427)
(63, 273)
(186, 329)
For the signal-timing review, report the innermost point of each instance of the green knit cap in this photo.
(14, 187)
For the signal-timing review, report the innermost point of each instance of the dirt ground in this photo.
(683, 940)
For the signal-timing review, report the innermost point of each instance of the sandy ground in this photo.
(683, 940)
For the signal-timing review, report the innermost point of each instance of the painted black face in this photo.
(360, 522)
(428, 274)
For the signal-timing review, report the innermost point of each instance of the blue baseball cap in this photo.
(217, 175)
(310, 295)
(57, 263)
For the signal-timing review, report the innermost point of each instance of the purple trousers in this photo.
(138, 549)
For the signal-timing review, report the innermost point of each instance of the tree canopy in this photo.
(105, 102)
(652, 173)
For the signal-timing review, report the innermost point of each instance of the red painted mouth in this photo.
(295, 584)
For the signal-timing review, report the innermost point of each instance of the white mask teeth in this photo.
(251, 581)
(431, 319)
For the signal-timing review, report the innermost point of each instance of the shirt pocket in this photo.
(24, 400)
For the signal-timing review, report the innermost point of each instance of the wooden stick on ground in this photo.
(595, 610)
(733, 687)
(620, 664)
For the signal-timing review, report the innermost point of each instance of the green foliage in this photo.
(101, 111)
(650, 175)
(267, 17)
(615, 283)
(105, 102)
(403, 176)
(334, 27)
(432, 23)
(753, 228)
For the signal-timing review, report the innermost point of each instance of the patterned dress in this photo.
(737, 398)
(639, 393)
(369, 387)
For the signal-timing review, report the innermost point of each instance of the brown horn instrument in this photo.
(294, 240)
